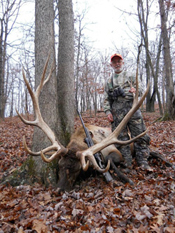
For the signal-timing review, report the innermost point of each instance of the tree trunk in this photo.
(143, 19)
(44, 45)
(8, 16)
(66, 100)
(170, 100)
(2, 67)
(78, 63)
(34, 169)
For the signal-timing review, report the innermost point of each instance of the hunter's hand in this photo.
(132, 90)
(110, 117)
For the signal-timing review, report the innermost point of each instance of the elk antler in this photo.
(56, 148)
(113, 137)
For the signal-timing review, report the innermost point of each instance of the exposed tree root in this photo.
(156, 155)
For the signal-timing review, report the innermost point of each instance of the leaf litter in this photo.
(94, 205)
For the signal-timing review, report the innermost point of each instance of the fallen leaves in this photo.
(93, 206)
(39, 226)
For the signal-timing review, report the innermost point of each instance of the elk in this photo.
(77, 156)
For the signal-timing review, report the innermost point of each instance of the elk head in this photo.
(76, 155)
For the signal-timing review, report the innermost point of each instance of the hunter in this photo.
(118, 101)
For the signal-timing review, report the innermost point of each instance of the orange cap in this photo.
(116, 55)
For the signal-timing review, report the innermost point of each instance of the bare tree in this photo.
(170, 98)
(151, 69)
(78, 39)
(9, 13)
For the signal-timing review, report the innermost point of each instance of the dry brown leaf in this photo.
(39, 226)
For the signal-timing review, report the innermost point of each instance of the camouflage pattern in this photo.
(119, 107)
(124, 81)
(136, 126)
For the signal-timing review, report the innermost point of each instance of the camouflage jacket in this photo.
(124, 81)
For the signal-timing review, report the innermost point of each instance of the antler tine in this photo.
(27, 84)
(24, 120)
(49, 76)
(41, 84)
(56, 147)
(48, 149)
(34, 100)
(43, 81)
(135, 107)
(91, 158)
(63, 151)
(113, 137)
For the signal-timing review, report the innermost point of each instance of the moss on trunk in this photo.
(28, 174)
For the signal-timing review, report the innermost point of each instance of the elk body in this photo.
(70, 165)
(77, 155)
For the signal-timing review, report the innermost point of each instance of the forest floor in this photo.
(94, 205)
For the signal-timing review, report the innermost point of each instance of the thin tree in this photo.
(170, 98)
(143, 16)
(8, 14)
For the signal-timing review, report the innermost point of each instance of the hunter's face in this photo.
(117, 64)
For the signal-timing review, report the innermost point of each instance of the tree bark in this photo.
(170, 99)
(66, 96)
(7, 21)
(3, 49)
(45, 45)
(59, 115)
(143, 19)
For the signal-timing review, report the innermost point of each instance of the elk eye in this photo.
(91, 134)
(101, 132)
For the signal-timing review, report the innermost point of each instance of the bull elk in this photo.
(77, 155)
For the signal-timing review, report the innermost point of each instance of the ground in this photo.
(94, 205)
